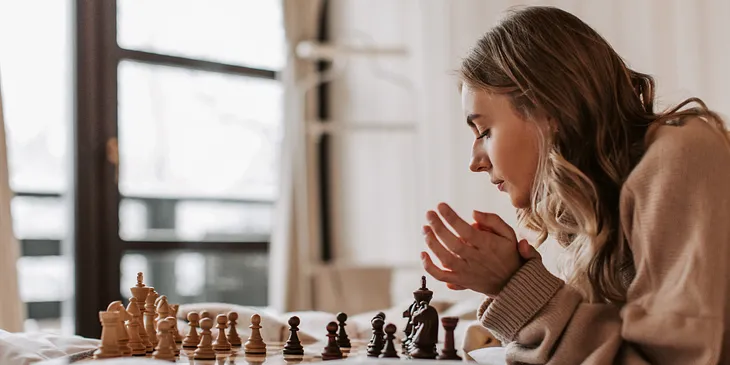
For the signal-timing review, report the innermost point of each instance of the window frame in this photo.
(95, 195)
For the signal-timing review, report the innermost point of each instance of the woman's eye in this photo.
(484, 134)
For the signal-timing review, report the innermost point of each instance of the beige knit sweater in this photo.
(675, 213)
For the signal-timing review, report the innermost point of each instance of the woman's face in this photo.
(505, 144)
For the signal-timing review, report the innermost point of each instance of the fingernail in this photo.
(424, 230)
(423, 256)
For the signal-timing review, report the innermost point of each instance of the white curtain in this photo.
(294, 245)
(11, 309)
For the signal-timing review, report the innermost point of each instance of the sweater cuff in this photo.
(523, 296)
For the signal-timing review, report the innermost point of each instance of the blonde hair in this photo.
(599, 110)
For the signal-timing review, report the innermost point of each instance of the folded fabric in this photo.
(29, 348)
(489, 356)
(477, 337)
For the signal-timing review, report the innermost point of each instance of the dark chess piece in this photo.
(390, 350)
(423, 294)
(342, 340)
(448, 352)
(293, 346)
(377, 341)
(332, 350)
(426, 330)
(381, 315)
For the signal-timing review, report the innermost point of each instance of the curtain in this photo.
(11, 309)
(294, 244)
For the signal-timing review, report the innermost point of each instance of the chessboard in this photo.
(148, 328)
(273, 356)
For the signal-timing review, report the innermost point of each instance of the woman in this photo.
(639, 199)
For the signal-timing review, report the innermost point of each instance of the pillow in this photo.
(28, 348)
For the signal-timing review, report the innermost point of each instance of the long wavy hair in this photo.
(553, 64)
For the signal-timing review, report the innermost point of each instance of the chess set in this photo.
(147, 328)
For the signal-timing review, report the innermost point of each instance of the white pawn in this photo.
(255, 344)
(164, 351)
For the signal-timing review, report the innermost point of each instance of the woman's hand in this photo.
(481, 257)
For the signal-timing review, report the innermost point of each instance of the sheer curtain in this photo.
(11, 309)
(293, 252)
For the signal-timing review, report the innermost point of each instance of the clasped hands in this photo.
(481, 256)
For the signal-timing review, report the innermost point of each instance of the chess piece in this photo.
(135, 341)
(423, 294)
(192, 339)
(122, 335)
(164, 351)
(342, 340)
(233, 338)
(205, 314)
(390, 351)
(448, 352)
(293, 346)
(173, 327)
(221, 343)
(377, 342)
(174, 308)
(425, 336)
(150, 312)
(381, 315)
(255, 344)
(332, 350)
(139, 294)
(205, 347)
(109, 343)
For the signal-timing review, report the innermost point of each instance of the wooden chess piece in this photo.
(342, 339)
(109, 343)
(381, 315)
(164, 351)
(122, 335)
(448, 352)
(233, 338)
(390, 350)
(192, 339)
(135, 341)
(332, 350)
(426, 326)
(150, 312)
(174, 308)
(205, 314)
(423, 294)
(221, 343)
(293, 346)
(173, 327)
(139, 294)
(205, 347)
(377, 341)
(255, 344)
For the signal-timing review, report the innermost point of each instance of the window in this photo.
(35, 76)
(160, 154)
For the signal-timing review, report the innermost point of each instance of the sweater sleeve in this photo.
(674, 212)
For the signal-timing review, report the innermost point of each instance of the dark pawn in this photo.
(342, 340)
(293, 346)
(377, 341)
(449, 350)
(332, 350)
(390, 350)
(381, 315)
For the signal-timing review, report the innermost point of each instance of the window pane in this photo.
(244, 32)
(170, 220)
(45, 278)
(35, 71)
(199, 276)
(29, 211)
(186, 133)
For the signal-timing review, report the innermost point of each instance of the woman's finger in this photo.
(527, 251)
(447, 258)
(462, 228)
(452, 242)
(455, 287)
(494, 223)
(435, 271)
